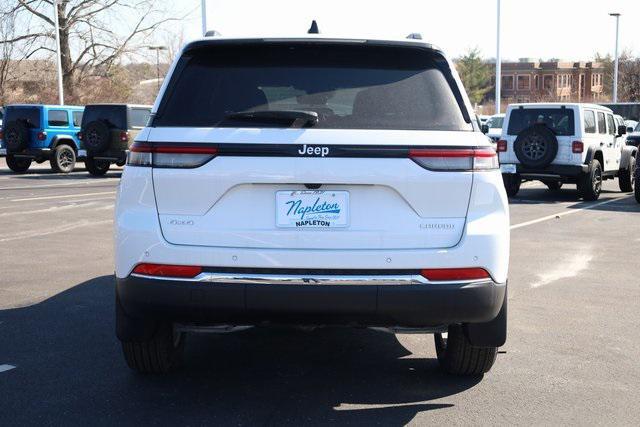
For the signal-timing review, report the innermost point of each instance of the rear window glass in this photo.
(349, 87)
(602, 126)
(139, 117)
(30, 115)
(114, 115)
(58, 118)
(495, 122)
(589, 121)
(559, 120)
(77, 118)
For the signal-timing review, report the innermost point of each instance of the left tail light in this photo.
(42, 136)
(170, 156)
(1, 134)
(456, 159)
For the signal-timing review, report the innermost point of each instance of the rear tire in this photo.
(511, 183)
(96, 167)
(158, 355)
(18, 164)
(590, 183)
(626, 177)
(457, 356)
(553, 185)
(63, 159)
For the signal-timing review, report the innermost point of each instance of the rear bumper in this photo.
(364, 304)
(552, 171)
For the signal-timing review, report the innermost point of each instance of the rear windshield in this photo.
(349, 87)
(139, 117)
(114, 115)
(495, 122)
(559, 120)
(31, 115)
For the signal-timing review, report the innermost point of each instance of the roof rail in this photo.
(415, 36)
(212, 33)
(314, 28)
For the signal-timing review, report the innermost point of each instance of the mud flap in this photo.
(489, 334)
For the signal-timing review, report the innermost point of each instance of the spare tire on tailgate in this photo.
(16, 136)
(96, 137)
(536, 146)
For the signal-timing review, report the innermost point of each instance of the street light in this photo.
(58, 53)
(203, 13)
(158, 49)
(615, 66)
(498, 63)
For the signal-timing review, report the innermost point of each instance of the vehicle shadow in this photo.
(69, 368)
(624, 202)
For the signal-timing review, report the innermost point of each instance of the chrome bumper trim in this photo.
(296, 279)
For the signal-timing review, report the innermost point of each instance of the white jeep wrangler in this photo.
(560, 143)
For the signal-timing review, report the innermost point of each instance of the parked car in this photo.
(560, 143)
(494, 127)
(40, 133)
(108, 131)
(634, 137)
(338, 182)
(631, 125)
(635, 178)
(483, 118)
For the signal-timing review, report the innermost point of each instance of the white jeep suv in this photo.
(312, 182)
(558, 143)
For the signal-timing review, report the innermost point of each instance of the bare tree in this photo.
(94, 34)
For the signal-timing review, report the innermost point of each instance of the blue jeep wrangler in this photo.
(41, 133)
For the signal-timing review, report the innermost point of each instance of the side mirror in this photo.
(629, 129)
(484, 129)
(622, 130)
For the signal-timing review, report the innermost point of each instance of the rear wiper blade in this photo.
(297, 118)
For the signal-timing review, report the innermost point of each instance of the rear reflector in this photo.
(162, 270)
(170, 156)
(461, 159)
(501, 146)
(577, 147)
(450, 274)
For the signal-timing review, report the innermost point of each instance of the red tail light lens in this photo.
(451, 274)
(124, 136)
(42, 136)
(162, 270)
(577, 147)
(80, 136)
(170, 156)
(501, 146)
(456, 159)
(1, 134)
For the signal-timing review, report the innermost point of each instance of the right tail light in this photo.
(577, 147)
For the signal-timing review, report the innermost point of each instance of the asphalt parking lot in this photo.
(571, 356)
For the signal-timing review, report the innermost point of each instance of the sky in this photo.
(564, 29)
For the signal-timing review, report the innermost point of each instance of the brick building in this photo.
(533, 81)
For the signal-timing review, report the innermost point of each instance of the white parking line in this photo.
(65, 196)
(565, 213)
(50, 209)
(53, 230)
(4, 368)
(61, 184)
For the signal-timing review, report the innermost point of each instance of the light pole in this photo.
(58, 53)
(498, 63)
(203, 12)
(615, 66)
(158, 49)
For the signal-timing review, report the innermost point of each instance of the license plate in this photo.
(508, 168)
(312, 209)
